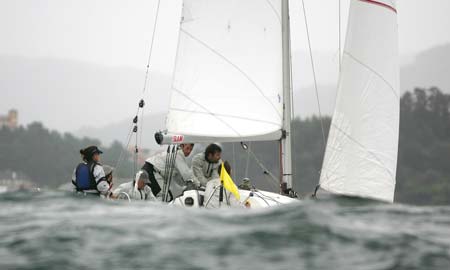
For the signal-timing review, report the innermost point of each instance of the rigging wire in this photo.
(267, 172)
(136, 123)
(172, 152)
(151, 48)
(248, 160)
(314, 74)
(273, 180)
(141, 128)
(147, 72)
(128, 140)
(234, 157)
(339, 70)
(135, 155)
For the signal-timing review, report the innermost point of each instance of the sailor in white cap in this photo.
(138, 189)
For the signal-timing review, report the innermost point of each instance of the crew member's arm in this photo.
(184, 170)
(148, 193)
(197, 169)
(74, 178)
(100, 179)
(119, 189)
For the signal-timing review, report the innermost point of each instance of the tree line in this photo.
(47, 157)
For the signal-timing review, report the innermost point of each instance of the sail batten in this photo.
(361, 154)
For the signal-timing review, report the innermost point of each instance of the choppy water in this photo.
(53, 230)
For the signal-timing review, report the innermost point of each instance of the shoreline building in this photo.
(11, 120)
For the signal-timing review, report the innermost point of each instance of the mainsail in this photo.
(228, 77)
(361, 153)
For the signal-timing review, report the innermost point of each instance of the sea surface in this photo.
(57, 230)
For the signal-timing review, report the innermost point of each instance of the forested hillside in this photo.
(47, 157)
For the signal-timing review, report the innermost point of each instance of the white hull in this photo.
(252, 199)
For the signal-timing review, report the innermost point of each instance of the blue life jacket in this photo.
(84, 177)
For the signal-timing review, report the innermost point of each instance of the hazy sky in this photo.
(117, 33)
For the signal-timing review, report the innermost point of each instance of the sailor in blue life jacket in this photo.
(89, 176)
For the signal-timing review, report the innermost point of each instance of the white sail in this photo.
(227, 82)
(361, 153)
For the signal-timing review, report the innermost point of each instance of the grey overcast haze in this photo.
(75, 64)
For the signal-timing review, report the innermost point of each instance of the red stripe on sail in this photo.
(373, 2)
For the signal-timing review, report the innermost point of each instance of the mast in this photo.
(286, 149)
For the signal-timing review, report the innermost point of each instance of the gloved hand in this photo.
(190, 184)
(197, 183)
(147, 189)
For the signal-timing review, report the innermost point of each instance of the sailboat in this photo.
(232, 83)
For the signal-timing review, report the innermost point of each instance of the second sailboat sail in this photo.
(361, 154)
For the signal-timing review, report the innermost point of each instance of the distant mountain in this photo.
(118, 131)
(66, 95)
(429, 68)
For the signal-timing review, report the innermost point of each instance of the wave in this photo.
(54, 230)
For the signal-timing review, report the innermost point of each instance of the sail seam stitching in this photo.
(233, 65)
(376, 73)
